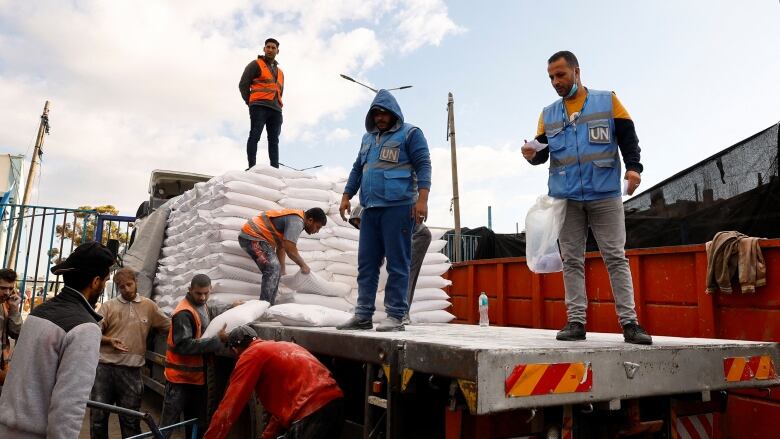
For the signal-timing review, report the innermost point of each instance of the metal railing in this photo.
(154, 431)
(468, 246)
(113, 231)
(34, 238)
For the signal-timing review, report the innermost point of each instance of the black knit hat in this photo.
(243, 335)
(92, 257)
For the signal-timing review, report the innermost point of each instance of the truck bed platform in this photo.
(506, 368)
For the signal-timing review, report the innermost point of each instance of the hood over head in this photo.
(386, 100)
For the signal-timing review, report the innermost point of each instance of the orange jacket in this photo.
(288, 380)
(261, 226)
(184, 369)
(265, 87)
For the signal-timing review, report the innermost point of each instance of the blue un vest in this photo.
(388, 175)
(584, 159)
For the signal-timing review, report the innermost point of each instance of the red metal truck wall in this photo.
(669, 284)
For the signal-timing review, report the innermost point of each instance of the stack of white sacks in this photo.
(202, 237)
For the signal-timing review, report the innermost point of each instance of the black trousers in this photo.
(325, 423)
(188, 400)
(260, 117)
(121, 386)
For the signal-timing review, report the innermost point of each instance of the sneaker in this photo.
(635, 334)
(407, 320)
(356, 323)
(390, 324)
(573, 331)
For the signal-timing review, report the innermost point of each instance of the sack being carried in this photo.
(542, 226)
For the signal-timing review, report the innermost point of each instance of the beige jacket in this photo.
(130, 322)
(731, 253)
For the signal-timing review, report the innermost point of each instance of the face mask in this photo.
(573, 91)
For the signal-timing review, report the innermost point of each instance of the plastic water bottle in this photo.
(483, 310)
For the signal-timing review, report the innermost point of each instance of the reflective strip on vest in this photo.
(179, 368)
(548, 127)
(586, 158)
(266, 87)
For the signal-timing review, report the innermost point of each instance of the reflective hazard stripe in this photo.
(547, 378)
(701, 426)
(759, 367)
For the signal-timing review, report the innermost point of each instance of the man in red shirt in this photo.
(294, 388)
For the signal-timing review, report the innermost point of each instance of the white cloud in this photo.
(425, 22)
(339, 134)
(140, 88)
(495, 176)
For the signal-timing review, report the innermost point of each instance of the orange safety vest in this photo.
(184, 369)
(261, 226)
(265, 87)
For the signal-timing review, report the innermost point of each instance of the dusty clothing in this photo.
(325, 423)
(731, 253)
(52, 370)
(10, 324)
(289, 382)
(183, 398)
(121, 386)
(129, 322)
(188, 400)
(421, 240)
(264, 256)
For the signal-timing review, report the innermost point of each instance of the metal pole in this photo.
(43, 128)
(454, 159)
(490, 217)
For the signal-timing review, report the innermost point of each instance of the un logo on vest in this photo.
(388, 154)
(599, 134)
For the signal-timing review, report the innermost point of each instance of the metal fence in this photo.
(34, 238)
(468, 246)
(115, 232)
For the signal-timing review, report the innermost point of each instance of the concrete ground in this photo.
(152, 403)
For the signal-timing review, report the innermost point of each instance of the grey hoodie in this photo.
(52, 370)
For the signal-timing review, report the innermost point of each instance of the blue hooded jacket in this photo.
(391, 165)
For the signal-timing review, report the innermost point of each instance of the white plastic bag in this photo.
(542, 227)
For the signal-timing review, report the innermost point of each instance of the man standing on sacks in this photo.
(393, 173)
(271, 235)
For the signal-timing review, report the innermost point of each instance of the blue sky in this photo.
(134, 89)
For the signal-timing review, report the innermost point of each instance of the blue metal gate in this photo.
(34, 238)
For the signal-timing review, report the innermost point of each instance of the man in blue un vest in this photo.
(393, 173)
(585, 134)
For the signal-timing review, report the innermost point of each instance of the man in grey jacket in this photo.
(53, 366)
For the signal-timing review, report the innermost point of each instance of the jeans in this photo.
(265, 257)
(186, 399)
(325, 423)
(117, 385)
(385, 232)
(607, 221)
(421, 239)
(259, 117)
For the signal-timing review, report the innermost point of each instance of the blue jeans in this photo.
(260, 117)
(385, 232)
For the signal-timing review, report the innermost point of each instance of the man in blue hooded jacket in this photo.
(393, 173)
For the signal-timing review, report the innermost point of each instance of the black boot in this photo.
(573, 331)
(635, 334)
(356, 323)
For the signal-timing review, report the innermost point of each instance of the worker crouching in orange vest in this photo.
(271, 235)
(185, 392)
